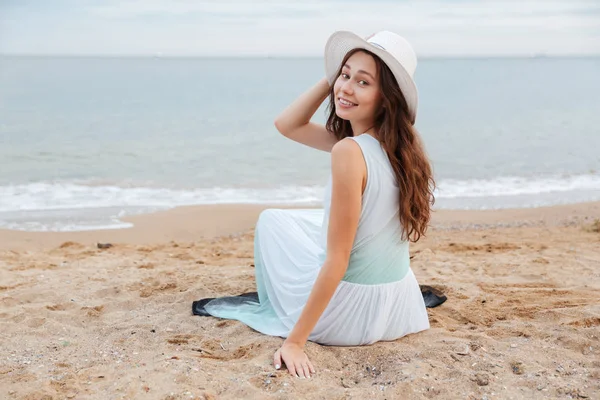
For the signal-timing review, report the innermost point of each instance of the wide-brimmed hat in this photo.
(394, 51)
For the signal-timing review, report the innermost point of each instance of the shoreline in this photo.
(191, 223)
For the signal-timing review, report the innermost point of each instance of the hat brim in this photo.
(340, 43)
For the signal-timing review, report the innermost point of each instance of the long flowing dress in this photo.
(378, 298)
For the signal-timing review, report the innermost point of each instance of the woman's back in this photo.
(379, 255)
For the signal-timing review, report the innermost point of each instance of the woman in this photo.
(341, 275)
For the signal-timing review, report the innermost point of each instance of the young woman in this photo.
(341, 275)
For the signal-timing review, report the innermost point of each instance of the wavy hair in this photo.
(403, 146)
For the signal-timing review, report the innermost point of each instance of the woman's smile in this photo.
(346, 103)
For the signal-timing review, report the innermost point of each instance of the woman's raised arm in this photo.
(294, 122)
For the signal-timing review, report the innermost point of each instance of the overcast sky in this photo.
(286, 28)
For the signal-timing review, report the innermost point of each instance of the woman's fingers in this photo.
(300, 371)
(312, 368)
(277, 359)
(292, 369)
(298, 365)
(306, 370)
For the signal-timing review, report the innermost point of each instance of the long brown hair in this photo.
(403, 146)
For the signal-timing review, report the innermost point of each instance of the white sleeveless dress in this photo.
(378, 299)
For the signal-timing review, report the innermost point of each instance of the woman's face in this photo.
(357, 92)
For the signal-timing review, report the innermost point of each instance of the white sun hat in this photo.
(394, 51)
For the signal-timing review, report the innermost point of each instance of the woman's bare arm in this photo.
(294, 122)
(348, 174)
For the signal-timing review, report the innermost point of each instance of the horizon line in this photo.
(258, 56)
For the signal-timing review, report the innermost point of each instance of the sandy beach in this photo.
(522, 320)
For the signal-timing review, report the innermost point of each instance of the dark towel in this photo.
(431, 296)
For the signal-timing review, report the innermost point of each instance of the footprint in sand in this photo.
(157, 288)
(180, 339)
(215, 349)
(93, 311)
(71, 245)
(487, 247)
(60, 307)
(586, 322)
(3, 288)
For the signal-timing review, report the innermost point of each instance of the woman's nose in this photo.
(347, 87)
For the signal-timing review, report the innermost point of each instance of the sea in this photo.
(86, 141)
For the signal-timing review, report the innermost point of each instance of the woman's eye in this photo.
(363, 83)
(345, 76)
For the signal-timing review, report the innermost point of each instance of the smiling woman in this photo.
(357, 92)
(341, 275)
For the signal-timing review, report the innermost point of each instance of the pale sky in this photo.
(285, 28)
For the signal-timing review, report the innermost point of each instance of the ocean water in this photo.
(86, 141)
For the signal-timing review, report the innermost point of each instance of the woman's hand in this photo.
(295, 360)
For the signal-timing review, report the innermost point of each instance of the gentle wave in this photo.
(57, 196)
(78, 206)
(516, 186)
(59, 226)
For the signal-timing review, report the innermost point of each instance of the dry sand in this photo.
(522, 320)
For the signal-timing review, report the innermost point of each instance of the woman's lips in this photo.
(345, 103)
